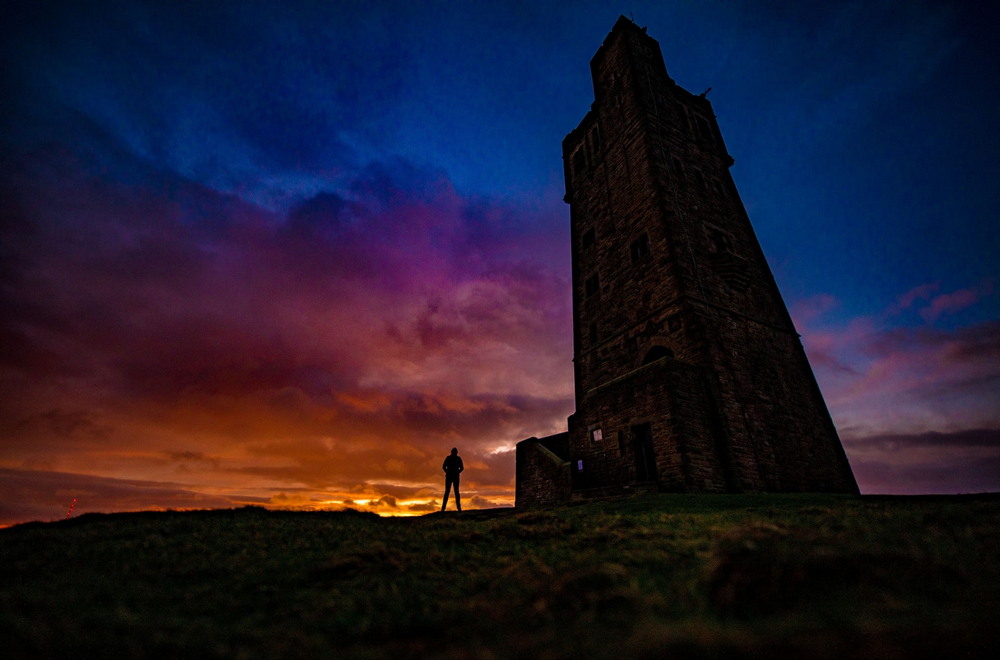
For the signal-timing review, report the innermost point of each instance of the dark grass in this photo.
(777, 576)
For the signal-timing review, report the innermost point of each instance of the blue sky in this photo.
(242, 241)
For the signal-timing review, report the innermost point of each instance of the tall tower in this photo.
(689, 374)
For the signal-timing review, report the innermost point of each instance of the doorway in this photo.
(642, 447)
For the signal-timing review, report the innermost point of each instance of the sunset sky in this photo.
(290, 253)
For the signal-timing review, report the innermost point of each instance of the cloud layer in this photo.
(916, 405)
(171, 330)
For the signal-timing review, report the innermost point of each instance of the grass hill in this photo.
(777, 576)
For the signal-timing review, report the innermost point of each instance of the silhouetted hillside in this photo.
(777, 576)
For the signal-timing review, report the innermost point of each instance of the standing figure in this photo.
(452, 467)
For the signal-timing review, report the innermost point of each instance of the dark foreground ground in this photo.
(669, 576)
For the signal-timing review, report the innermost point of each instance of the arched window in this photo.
(657, 353)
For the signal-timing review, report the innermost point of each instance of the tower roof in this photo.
(622, 25)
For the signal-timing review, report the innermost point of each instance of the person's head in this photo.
(454, 451)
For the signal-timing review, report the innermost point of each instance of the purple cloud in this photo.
(355, 338)
(917, 406)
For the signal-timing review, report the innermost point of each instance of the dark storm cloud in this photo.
(62, 423)
(227, 93)
(958, 440)
(938, 473)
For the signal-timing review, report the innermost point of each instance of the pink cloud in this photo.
(907, 300)
(896, 381)
(806, 311)
(949, 303)
(335, 353)
(920, 379)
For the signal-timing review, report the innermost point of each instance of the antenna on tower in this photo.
(702, 95)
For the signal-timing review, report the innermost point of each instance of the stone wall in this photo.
(666, 399)
(543, 473)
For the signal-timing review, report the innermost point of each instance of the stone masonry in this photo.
(689, 374)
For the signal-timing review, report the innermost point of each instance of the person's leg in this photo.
(447, 487)
(458, 497)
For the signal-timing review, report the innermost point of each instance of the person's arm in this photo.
(461, 465)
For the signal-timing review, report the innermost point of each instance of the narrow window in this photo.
(719, 240)
(687, 120)
(579, 161)
(704, 128)
(589, 238)
(640, 248)
(592, 285)
(718, 188)
(597, 435)
(595, 139)
(593, 333)
(700, 178)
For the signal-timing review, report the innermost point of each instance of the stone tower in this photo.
(689, 374)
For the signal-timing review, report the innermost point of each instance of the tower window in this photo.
(701, 179)
(579, 161)
(719, 190)
(640, 248)
(704, 128)
(595, 142)
(592, 285)
(589, 237)
(687, 120)
(593, 333)
(597, 435)
(720, 241)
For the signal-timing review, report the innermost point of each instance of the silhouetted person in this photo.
(452, 467)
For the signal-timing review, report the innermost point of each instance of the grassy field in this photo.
(776, 576)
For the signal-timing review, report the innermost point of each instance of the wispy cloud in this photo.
(965, 461)
(922, 292)
(905, 395)
(956, 301)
